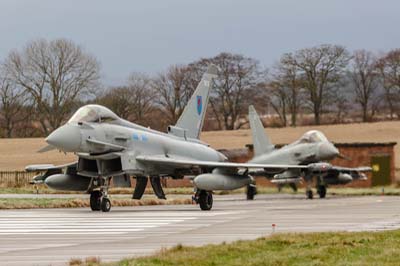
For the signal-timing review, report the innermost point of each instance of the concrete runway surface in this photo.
(54, 236)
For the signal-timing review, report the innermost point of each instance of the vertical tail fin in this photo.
(261, 142)
(192, 118)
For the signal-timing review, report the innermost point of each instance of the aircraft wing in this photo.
(46, 167)
(187, 163)
(46, 171)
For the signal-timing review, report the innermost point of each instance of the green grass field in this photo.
(364, 248)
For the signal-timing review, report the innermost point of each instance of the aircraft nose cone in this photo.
(66, 138)
(327, 151)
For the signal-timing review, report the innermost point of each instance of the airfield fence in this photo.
(15, 178)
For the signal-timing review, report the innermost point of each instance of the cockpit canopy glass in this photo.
(93, 113)
(313, 136)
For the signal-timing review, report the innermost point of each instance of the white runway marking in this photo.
(20, 224)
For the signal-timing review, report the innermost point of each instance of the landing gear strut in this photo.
(321, 190)
(251, 191)
(204, 199)
(309, 194)
(293, 186)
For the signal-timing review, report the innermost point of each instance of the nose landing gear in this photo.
(99, 199)
(105, 205)
(95, 200)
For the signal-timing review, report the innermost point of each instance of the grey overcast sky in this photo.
(149, 35)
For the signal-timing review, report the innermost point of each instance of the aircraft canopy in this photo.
(94, 114)
(313, 136)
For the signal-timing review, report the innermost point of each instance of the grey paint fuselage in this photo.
(136, 140)
(296, 153)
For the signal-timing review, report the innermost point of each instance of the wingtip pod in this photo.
(212, 70)
(38, 167)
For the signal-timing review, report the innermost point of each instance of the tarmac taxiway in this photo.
(54, 236)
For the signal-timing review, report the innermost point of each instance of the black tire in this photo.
(309, 194)
(205, 200)
(322, 191)
(251, 192)
(95, 200)
(105, 205)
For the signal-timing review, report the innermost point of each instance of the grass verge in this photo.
(364, 248)
(343, 191)
(29, 203)
(42, 189)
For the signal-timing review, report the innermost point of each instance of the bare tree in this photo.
(55, 74)
(285, 91)
(389, 69)
(13, 100)
(364, 78)
(320, 67)
(134, 101)
(238, 82)
(173, 90)
(278, 98)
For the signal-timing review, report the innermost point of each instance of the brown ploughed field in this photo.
(15, 154)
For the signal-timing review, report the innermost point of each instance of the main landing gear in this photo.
(251, 191)
(204, 199)
(321, 190)
(99, 199)
(309, 194)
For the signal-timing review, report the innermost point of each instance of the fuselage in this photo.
(94, 140)
(298, 153)
(312, 147)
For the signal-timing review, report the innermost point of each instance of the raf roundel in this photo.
(199, 105)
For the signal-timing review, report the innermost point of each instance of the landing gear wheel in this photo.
(309, 194)
(205, 200)
(251, 192)
(322, 191)
(95, 200)
(105, 205)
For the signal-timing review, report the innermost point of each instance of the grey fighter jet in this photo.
(312, 147)
(108, 146)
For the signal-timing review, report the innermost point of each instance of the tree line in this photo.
(42, 84)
